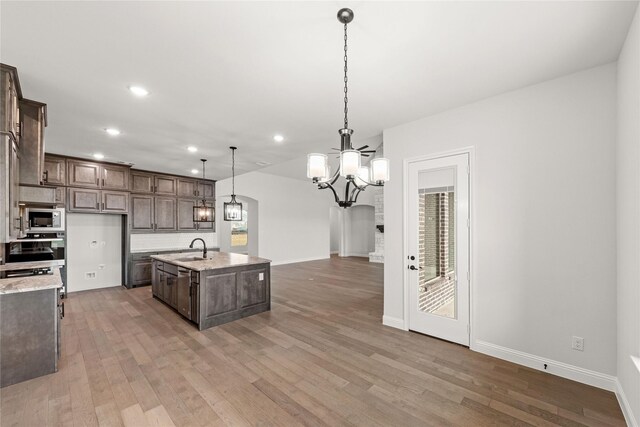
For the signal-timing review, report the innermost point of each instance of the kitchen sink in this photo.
(192, 258)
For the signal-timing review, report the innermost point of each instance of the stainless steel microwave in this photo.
(44, 220)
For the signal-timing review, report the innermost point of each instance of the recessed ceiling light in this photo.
(192, 148)
(98, 156)
(112, 131)
(278, 138)
(195, 171)
(138, 91)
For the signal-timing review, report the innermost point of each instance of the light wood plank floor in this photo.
(320, 357)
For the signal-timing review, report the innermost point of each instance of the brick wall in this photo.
(436, 249)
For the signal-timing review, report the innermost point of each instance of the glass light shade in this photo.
(317, 166)
(379, 170)
(363, 176)
(233, 211)
(349, 162)
(203, 213)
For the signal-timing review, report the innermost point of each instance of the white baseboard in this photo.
(358, 254)
(575, 373)
(293, 261)
(393, 322)
(624, 404)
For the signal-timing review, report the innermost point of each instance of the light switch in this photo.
(260, 276)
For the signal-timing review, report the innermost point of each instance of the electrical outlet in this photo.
(577, 343)
(260, 276)
(100, 266)
(90, 275)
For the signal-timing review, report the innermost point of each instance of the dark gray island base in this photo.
(209, 292)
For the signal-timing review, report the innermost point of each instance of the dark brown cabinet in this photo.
(141, 271)
(55, 170)
(97, 175)
(157, 279)
(115, 201)
(9, 108)
(60, 199)
(114, 177)
(15, 221)
(187, 188)
(206, 189)
(165, 213)
(149, 213)
(98, 201)
(142, 218)
(83, 174)
(166, 185)
(33, 117)
(84, 200)
(141, 182)
(183, 292)
(185, 216)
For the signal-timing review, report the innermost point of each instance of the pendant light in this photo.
(358, 177)
(233, 209)
(202, 212)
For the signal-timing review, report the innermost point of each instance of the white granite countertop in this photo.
(214, 261)
(31, 283)
(14, 266)
(182, 248)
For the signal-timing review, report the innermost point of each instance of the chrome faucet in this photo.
(204, 251)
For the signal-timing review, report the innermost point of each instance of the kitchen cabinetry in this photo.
(185, 216)
(9, 101)
(55, 170)
(96, 175)
(141, 269)
(97, 201)
(15, 220)
(212, 292)
(151, 213)
(30, 334)
(187, 187)
(206, 189)
(33, 117)
(149, 183)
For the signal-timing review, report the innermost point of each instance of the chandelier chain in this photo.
(346, 97)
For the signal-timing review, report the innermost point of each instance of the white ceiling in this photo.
(236, 73)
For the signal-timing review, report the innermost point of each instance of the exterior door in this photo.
(438, 243)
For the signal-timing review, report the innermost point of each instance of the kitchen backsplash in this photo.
(170, 240)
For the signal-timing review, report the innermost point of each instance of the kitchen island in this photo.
(214, 290)
(30, 313)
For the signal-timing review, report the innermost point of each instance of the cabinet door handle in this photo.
(102, 205)
(45, 176)
(97, 205)
(103, 182)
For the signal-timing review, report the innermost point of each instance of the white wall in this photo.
(335, 229)
(361, 232)
(223, 228)
(544, 240)
(158, 241)
(293, 220)
(628, 218)
(94, 244)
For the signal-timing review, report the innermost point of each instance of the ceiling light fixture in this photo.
(192, 149)
(233, 209)
(138, 91)
(202, 212)
(358, 177)
(278, 138)
(112, 131)
(98, 156)
(194, 171)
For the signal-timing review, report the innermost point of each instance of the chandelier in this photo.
(233, 209)
(202, 212)
(358, 177)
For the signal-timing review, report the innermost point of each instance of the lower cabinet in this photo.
(30, 334)
(213, 297)
(141, 271)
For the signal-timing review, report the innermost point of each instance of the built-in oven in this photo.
(44, 220)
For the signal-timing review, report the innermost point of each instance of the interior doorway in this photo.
(239, 236)
(352, 231)
(438, 279)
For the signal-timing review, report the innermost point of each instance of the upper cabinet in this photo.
(55, 170)
(166, 185)
(141, 182)
(187, 187)
(9, 101)
(33, 117)
(97, 175)
(206, 189)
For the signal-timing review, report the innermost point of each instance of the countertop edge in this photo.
(16, 285)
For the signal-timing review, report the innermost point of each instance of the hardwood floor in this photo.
(320, 357)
